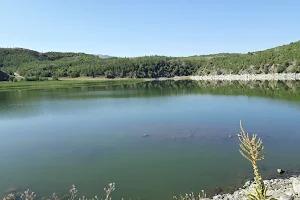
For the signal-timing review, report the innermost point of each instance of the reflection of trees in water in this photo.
(286, 90)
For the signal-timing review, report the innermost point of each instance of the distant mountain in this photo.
(103, 56)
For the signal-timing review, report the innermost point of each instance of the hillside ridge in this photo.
(30, 63)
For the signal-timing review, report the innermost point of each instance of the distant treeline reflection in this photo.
(285, 90)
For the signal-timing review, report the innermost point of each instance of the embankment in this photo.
(248, 77)
(281, 189)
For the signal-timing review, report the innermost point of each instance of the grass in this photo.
(66, 82)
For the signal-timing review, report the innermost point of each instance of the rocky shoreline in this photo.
(248, 77)
(281, 189)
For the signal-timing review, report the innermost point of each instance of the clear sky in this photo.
(149, 27)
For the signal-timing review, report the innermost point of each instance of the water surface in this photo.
(90, 136)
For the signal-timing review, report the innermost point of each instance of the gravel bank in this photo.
(248, 77)
(281, 189)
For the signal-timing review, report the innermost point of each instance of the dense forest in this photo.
(30, 63)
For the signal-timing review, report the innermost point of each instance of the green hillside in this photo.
(280, 59)
(30, 63)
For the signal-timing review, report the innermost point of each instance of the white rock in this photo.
(247, 184)
(285, 197)
(289, 193)
(217, 197)
(296, 185)
(281, 189)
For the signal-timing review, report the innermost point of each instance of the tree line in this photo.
(30, 63)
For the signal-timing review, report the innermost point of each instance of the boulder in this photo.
(296, 185)
(247, 184)
(286, 197)
(3, 76)
(280, 171)
(218, 190)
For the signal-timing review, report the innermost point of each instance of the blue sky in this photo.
(144, 27)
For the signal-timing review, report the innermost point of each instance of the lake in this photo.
(91, 136)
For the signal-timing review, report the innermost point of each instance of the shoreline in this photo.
(286, 188)
(65, 83)
(249, 77)
(279, 188)
(100, 81)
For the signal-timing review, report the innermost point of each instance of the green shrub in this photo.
(43, 79)
(55, 78)
(11, 78)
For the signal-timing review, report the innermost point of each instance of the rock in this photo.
(217, 197)
(280, 171)
(247, 184)
(218, 190)
(296, 185)
(285, 197)
(3, 76)
(289, 193)
(145, 135)
(280, 189)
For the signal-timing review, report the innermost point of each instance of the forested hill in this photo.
(30, 63)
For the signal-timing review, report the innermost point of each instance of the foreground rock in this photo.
(296, 185)
(281, 189)
(280, 171)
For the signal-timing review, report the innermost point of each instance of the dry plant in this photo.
(27, 195)
(109, 191)
(73, 192)
(9, 197)
(191, 196)
(251, 148)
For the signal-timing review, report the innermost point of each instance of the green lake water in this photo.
(91, 136)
